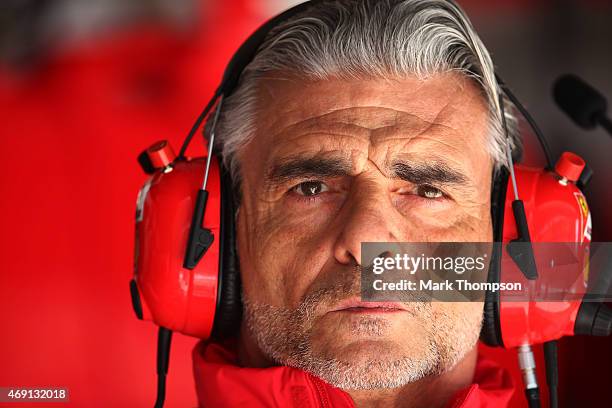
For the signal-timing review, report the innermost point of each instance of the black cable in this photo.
(196, 125)
(530, 120)
(164, 340)
(161, 391)
(552, 371)
(533, 397)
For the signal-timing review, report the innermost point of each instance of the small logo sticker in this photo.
(583, 204)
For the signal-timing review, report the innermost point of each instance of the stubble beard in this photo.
(285, 336)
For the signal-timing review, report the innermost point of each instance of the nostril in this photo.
(386, 254)
(382, 255)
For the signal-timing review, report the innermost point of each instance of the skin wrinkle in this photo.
(386, 160)
(272, 94)
(299, 256)
(427, 127)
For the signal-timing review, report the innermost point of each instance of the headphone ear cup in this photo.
(228, 313)
(491, 327)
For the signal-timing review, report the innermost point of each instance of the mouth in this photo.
(355, 305)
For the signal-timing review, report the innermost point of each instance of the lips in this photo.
(356, 305)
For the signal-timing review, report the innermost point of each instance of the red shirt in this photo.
(221, 382)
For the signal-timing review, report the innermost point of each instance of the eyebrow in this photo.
(315, 167)
(429, 173)
(319, 167)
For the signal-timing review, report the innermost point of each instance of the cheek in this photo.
(457, 228)
(472, 227)
(444, 220)
(456, 327)
(453, 314)
(310, 215)
(279, 260)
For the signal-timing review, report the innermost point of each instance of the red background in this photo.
(71, 130)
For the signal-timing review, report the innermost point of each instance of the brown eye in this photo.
(310, 188)
(429, 192)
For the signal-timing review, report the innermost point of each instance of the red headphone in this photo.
(186, 273)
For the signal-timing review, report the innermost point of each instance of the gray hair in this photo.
(358, 39)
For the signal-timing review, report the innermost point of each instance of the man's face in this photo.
(336, 163)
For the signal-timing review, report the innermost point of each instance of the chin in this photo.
(346, 332)
(362, 352)
(371, 364)
(366, 351)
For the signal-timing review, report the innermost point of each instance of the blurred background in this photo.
(86, 85)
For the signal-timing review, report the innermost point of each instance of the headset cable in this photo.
(164, 339)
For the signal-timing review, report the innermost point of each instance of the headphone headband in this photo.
(249, 48)
(247, 51)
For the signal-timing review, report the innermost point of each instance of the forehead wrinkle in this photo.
(355, 122)
(438, 133)
(350, 116)
(288, 148)
(385, 134)
(401, 122)
(295, 133)
(460, 161)
(420, 126)
(357, 115)
(406, 145)
(351, 160)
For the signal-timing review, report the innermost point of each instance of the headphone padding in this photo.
(228, 313)
(491, 328)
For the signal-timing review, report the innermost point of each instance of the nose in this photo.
(368, 218)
